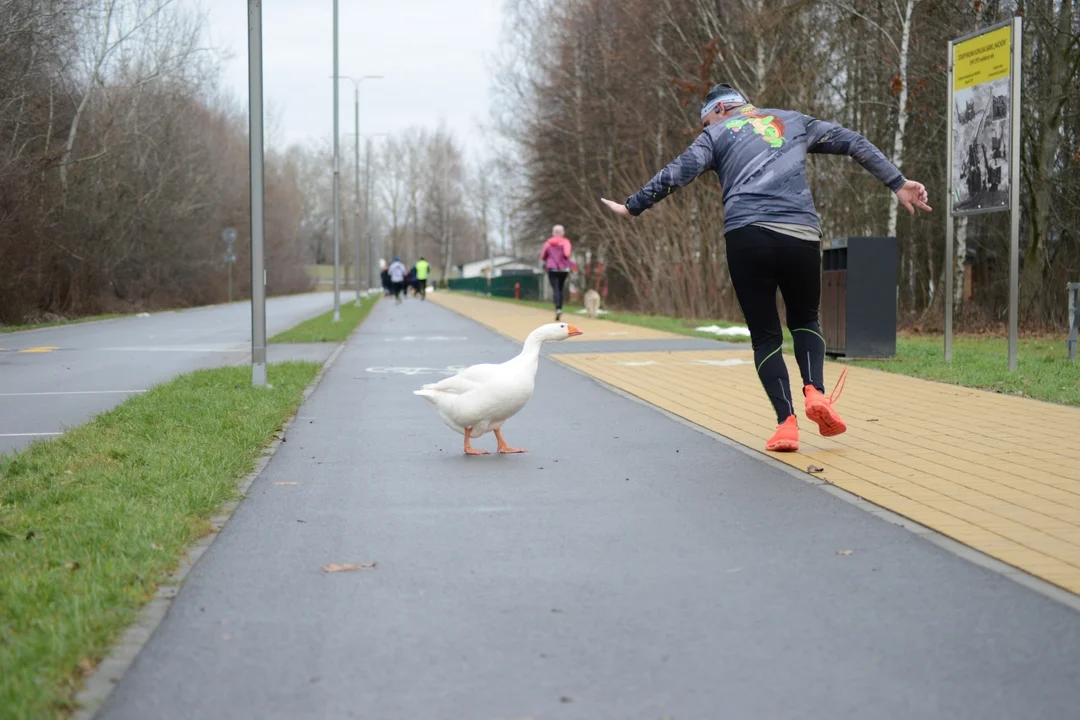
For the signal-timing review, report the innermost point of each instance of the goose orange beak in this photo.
(573, 331)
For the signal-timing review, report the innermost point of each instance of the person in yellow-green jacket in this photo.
(423, 270)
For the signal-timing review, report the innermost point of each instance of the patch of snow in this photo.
(721, 363)
(729, 331)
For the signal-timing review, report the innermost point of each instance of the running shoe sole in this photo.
(782, 446)
(828, 421)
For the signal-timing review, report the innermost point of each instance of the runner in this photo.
(773, 234)
(423, 270)
(556, 258)
(397, 271)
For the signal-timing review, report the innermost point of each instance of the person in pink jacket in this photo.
(556, 259)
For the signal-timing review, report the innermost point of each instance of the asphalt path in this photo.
(56, 378)
(628, 567)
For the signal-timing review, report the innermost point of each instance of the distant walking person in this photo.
(397, 271)
(384, 276)
(423, 271)
(773, 234)
(556, 258)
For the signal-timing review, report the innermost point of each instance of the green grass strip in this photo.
(92, 521)
(1043, 372)
(323, 328)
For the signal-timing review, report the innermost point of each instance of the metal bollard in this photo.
(517, 291)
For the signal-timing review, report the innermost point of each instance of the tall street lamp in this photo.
(373, 277)
(356, 167)
(337, 180)
(255, 165)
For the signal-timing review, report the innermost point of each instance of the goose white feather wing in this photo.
(467, 379)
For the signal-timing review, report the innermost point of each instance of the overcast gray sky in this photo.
(434, 54)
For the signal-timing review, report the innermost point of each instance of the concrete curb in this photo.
(970, 554)
(99, 685)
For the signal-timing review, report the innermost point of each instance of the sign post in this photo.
(983, 142)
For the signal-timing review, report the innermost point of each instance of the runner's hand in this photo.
(913, 195)
(617, 208)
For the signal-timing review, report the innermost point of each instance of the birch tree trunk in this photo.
(960, 246)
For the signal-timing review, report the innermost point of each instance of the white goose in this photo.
(480, 398)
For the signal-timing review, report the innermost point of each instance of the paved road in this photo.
(627, 568)
(77, 371)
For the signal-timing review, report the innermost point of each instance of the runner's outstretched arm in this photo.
(832, 139)
(679, 173)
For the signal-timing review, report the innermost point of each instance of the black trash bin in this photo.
(858, 297)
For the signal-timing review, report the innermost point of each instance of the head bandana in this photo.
(721, 95)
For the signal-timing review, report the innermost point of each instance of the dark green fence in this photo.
(501, 286)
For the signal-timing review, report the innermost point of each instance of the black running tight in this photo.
(557, 279)
(760, 262)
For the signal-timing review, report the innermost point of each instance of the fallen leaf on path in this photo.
(286, 483)
(814, 469)
(844, 552)
(86, 666)
(347, 567)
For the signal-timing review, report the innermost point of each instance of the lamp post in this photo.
(337, 180)
(356, 167)
(372, 276)
(255, 160)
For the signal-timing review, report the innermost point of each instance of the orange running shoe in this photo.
(786, 437)
(820, 408)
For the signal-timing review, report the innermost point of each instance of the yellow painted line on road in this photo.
(41, 349)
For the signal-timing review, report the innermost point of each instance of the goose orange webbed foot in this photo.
(469, 449)
(504, 448)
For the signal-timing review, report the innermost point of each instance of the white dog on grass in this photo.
(592, 303)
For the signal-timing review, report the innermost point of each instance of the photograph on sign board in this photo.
(981, 146)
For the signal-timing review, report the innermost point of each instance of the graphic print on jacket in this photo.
(769, 127)
(759, 157)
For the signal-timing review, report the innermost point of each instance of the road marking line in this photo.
(72, 392)
(28, 434)
(41, 349)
